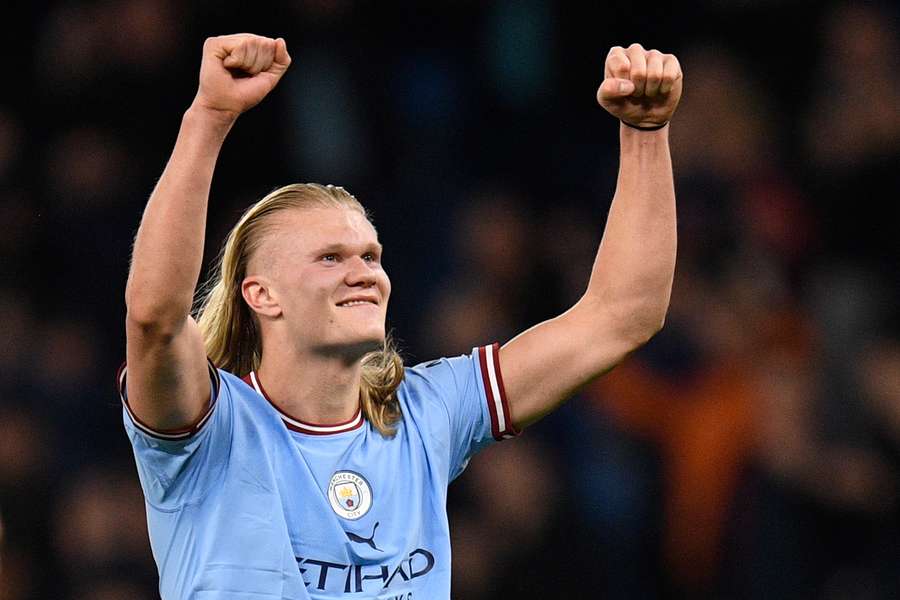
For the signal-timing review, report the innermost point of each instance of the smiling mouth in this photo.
(357, 303)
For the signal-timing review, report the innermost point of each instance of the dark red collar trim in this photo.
(294, 424)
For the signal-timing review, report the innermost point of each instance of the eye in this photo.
(369, 257)
(331, 258)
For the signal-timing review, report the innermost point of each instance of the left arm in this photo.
(628, 294)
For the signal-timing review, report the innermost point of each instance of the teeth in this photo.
(355, 303)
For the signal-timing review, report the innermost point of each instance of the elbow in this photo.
(642, 334)
(639, 326)
(630, 324)
(655, 326)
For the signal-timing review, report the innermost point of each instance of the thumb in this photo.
(234, 58)
(613, 89)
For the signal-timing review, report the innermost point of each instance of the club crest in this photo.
(349, 495)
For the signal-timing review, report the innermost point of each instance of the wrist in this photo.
(211, 118)
(644, 126)
(643, 141)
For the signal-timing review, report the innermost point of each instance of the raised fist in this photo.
(239, 70)
(640, 87)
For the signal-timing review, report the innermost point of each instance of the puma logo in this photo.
(361, 540)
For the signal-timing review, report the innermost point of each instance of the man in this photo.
(301, 460)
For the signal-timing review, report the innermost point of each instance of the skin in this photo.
(631, 281)
(313, 371)
(323, 258)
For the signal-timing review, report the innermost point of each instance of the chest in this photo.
(361, 513)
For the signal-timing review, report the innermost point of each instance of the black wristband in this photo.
(653, 128)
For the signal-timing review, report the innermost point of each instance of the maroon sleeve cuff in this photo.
(182, 433)
(498, 406)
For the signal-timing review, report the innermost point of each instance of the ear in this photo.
(259, 296)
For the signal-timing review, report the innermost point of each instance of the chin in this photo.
(374, 334)
(355, 347)
(374, 341)
(356, 350)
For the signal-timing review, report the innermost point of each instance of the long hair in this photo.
(230, 329)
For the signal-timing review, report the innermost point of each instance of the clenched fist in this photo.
(640, 87)
(238, 71)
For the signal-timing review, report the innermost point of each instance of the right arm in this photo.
(168, 382)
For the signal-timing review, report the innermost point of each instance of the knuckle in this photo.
(616, 63)
(635, 46)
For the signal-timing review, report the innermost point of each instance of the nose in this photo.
(359, 273)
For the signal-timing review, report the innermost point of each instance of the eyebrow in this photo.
(340, 248)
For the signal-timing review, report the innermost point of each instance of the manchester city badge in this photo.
(349, 494)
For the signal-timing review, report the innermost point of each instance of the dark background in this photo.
(750, 450)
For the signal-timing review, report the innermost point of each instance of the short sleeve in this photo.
(177, 467)
(470, 390)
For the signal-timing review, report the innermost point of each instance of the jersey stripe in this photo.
(302, 426)
(498, 406)
(182, 433)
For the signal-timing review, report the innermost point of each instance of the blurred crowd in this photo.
(750, 450)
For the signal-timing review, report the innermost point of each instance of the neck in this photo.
(314, 388)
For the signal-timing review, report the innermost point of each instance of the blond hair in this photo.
(230, 329)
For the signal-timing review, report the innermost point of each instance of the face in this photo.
(319, 276)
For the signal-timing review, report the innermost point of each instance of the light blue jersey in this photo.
(251, 504)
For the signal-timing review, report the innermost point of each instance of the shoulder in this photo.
(435, 376)
(235, 384)
(453, 376)
(239, 398)
(245, 397)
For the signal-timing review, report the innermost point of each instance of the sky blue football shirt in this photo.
(250, 504)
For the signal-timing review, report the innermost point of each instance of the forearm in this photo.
(631, 282)
(168, 250)
(633, 272)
